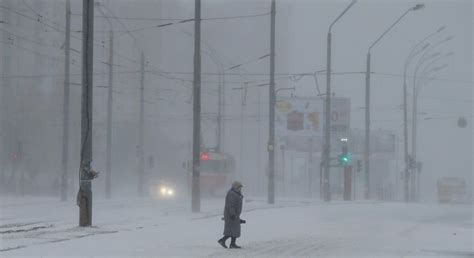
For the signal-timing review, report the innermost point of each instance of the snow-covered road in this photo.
(147, 227)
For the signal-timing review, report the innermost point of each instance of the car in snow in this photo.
(160, 189)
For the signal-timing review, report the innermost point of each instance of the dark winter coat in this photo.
(232, 210)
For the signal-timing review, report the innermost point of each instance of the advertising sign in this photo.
(299, 122)
(340, 115)
(299, 117)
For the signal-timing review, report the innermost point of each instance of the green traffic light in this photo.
(344, 160)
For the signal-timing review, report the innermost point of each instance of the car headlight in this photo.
(163, 191)
(170, 192)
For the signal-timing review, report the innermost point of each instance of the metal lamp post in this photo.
(413, 53)
(327, 129)
(416, 89)
(427, 56)
(367, 101)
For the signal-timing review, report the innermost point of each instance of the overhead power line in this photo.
(11, 43)
(59, 30)
(419, 77)
(178, 19)
(247, 62)
(31, 40)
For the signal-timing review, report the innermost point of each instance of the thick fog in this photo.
(235, 77)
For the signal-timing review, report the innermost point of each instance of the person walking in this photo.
(232, 210)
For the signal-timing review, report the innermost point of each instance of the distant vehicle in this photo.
(217, 171)
(451, 190)
(160, 189)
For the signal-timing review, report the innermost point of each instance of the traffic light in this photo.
(204, 155)
(344, 158)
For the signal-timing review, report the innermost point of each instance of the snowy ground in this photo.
(290, 228)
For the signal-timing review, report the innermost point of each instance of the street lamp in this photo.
(416, 89)
(367, 100)
(434, 57)
(430, 65)
(271, 118)
(327, 131)
(413, 53)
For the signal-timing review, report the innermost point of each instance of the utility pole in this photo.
(219, 112)
(327, 126)
(84, 196)
(242, 141)
(310, 168)
(259, 180)
(283, 178)
(367, 101)
(413, 145)
(108, 163)
(65, 152)
(4, 90)
(327, 131)
(223, 112)
(414, 52)
(195, 193)
(141, 159)
(271, 133)
(367, 129)
(406, 174)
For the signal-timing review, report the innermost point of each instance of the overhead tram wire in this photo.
(217, 18)
(125, 27)
(137, 44)
(420, 77)
(129, 32)
(58, 30)
(30, 40)
(166, 74)
(52, 58)
(177, 21)
(180, 19)
(247, 62)
(40, 16)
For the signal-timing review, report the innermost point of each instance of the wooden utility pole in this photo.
(86, 174)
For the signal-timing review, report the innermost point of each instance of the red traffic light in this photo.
(204, 155)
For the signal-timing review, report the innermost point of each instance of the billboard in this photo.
(299, 117)
(340, 115)
(299, 122)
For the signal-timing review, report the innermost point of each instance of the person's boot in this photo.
(233, 245)
(222, 242)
